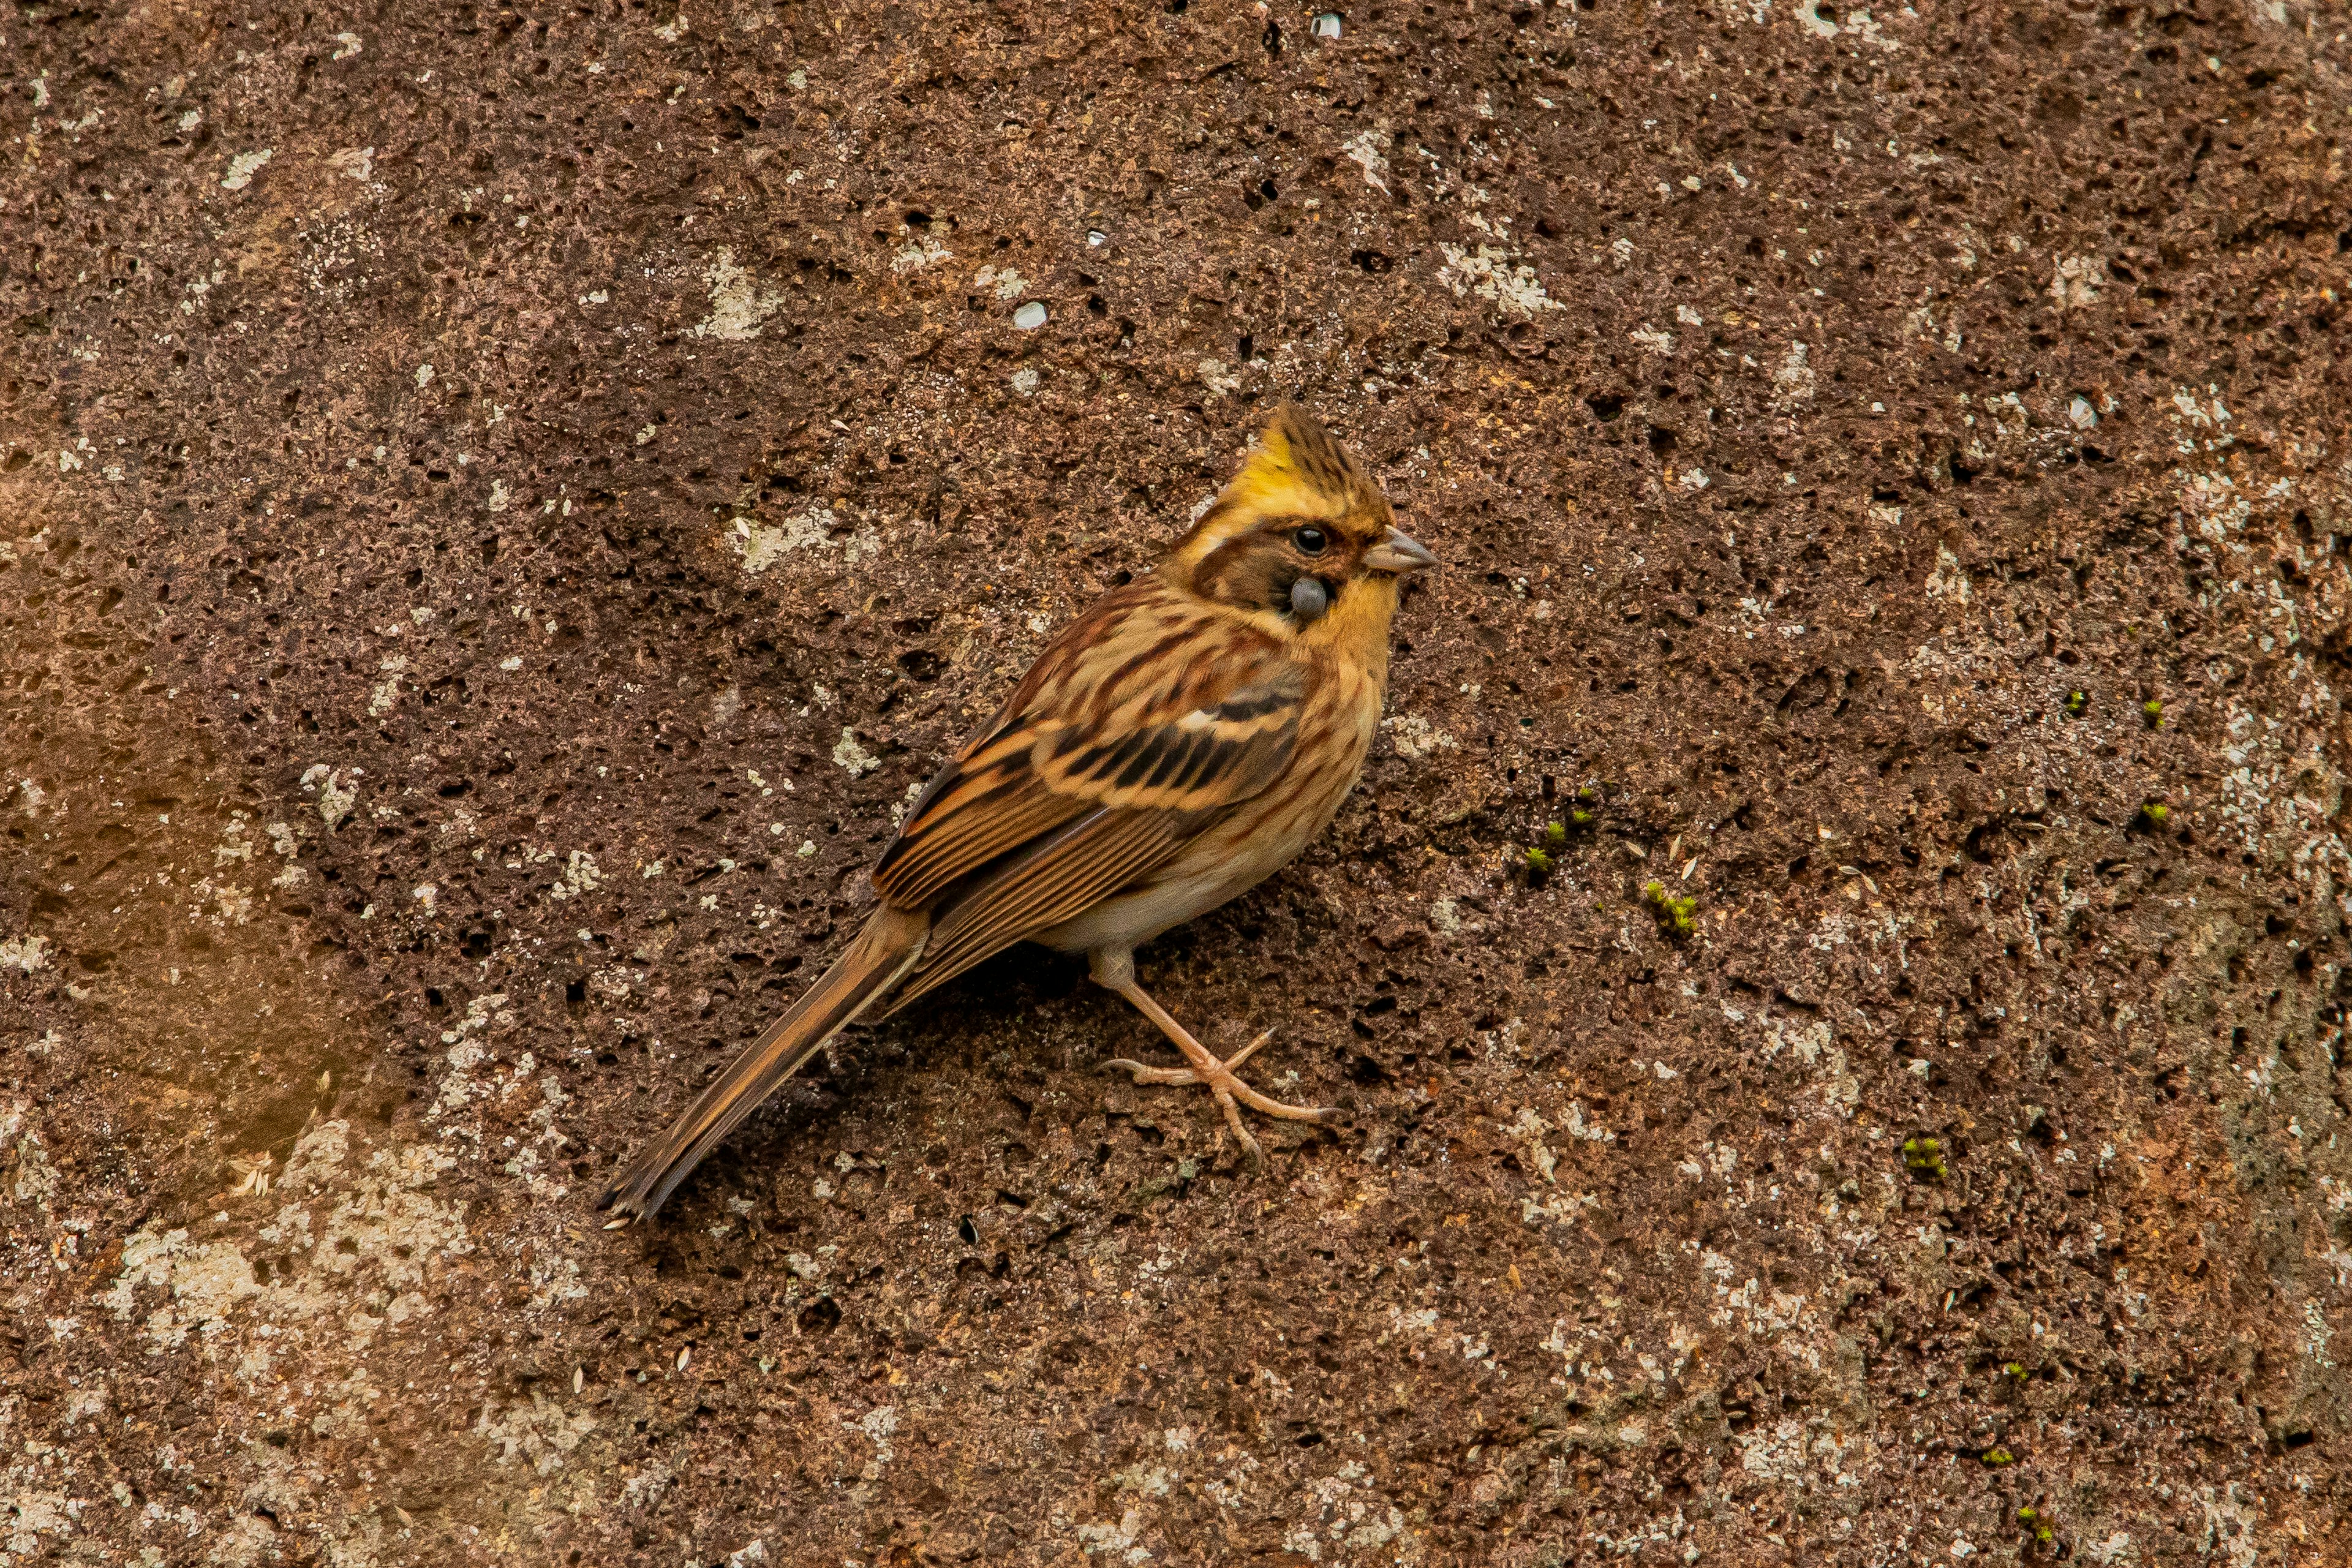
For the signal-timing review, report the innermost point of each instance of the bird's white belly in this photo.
(1132, 919)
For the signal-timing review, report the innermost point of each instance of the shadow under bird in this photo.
(1175, 745)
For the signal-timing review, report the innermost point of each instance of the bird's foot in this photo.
(1230, 1092)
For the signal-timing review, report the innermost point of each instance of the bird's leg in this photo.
(1115, 970)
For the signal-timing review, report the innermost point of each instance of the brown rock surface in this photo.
(501, 504)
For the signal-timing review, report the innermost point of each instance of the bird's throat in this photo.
(1355, 630)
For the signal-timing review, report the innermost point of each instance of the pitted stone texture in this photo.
(503, 508)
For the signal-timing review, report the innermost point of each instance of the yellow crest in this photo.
(1294, 470)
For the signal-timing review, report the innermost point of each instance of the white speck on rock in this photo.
(1031, 316)
(346, 45)
(1025, 382)
(424, 376)
(351, 163)
(1364, 149)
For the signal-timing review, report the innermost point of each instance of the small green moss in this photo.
(1555, 834)
(1580, 817)
(2155, 814)
(2076, 702)
(2153, 712)
(1998, 1456)
(1676, 917)
(1539, 863)
(2034, 1522)
(1924, 1154)
(2016, 1369)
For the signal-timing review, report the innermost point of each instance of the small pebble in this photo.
(1326, 25)
(1031, 316)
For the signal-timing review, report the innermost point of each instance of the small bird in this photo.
(1175, 745)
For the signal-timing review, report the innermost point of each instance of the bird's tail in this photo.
(891, 942)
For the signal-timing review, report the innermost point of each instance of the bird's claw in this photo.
(1232, 1093)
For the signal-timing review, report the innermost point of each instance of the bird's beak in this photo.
(1400, 552)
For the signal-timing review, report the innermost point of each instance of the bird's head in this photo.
(1299, 532)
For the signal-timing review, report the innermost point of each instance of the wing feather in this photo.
(1118, 713)
(1054, 880)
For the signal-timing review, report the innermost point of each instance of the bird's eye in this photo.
(1311, 540)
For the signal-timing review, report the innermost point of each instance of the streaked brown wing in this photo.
(1051, 881)
(1114, 715)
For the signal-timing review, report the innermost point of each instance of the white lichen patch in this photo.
(878, 1424)
(1495, 275)
(852, 756)
(1415, 736)
(384, 1231)
(336, 798)
(919, 253)
(32, 1513)
(1793, 380)
(2075, 281)
(541, 1434)
(1363, 149)
(1005, 283)
(580, 876)
(1813, 1043)
(2211, 506)
(1345, 1517)
(817, 529)
(737, 307)
(243, 167)
(1948, 581)
(387, 691)
(27, 953)
(353, 163)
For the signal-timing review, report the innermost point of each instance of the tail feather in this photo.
(891, 942)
